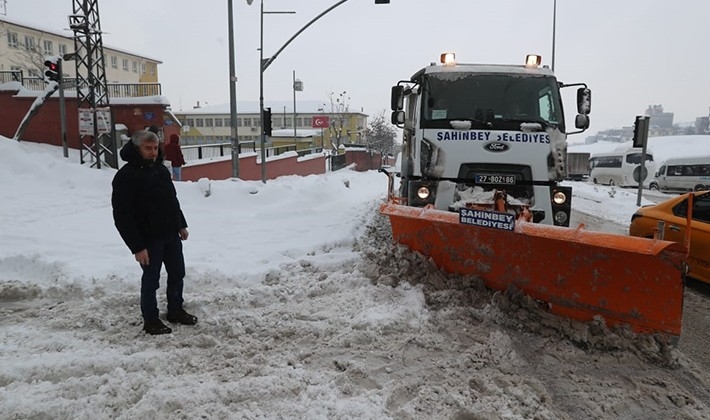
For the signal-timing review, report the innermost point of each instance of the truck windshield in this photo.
(500, 101)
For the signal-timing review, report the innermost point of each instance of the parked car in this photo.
(673, 212)
(683, 174)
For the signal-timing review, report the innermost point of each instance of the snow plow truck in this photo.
(483, 157)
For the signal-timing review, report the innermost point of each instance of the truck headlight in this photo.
(561, 217)
(423, 192)
(559, 197)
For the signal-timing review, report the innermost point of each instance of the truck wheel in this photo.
(700, 188)
(611, 183)
(653, 187)
(595, 181)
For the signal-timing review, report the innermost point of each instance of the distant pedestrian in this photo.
(147, 214)
(173, 153)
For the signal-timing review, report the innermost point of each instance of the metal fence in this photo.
(114, 90)
(206, 151)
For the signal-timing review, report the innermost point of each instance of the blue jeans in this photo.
(176, 173)
(166, 251)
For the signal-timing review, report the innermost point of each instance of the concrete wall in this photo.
(45, 127)
(250, 170)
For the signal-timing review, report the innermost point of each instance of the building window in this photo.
(199, 122)
(142, 68)
(299, 122)
(218, 122)
(189, 122)
(239, 122)
(135, 67)
(125, 64)
(29, 43)
(228, 122)
(62, 49)
(209, 122)
(12, 40)
(257, 122)
(152, 69)
(114, 62)
(247, 122)
(48, 48)
(288, 122)
(277, 122)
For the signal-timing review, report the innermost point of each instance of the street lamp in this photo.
(554, 23)
(264, 64)
(297, 86)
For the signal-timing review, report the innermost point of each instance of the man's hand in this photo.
(184, 234)
(142, 257)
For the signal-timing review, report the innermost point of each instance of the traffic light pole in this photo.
(63, 111)
(641, 140)
(261, 94)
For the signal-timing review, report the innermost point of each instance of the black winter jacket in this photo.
(144, 200)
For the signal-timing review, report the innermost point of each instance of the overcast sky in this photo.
(631, 54)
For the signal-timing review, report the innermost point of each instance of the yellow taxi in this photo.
(644, 223)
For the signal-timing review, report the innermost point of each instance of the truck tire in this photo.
(654, 186)
(700, 187)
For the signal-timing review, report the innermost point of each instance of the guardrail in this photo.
(206, 151)
(114, 90)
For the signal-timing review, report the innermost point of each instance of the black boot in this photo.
(156, 327)
(182, 317)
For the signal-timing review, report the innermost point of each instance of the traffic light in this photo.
(640, 131)
(54, 70)
(266, 121)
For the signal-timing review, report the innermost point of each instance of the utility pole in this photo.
(233, 94)
(92, 89)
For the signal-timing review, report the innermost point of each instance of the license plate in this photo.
(495, 179)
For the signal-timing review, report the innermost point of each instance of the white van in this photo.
(621, 168)
(683, 174)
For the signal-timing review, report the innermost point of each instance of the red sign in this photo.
(321, 122)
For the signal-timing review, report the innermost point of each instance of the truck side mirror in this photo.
(397, 100)
(397, 117)
(584, 101)
(581, 121)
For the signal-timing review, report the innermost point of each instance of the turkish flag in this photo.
(321, 122)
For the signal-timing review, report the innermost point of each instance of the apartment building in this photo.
(24, 46)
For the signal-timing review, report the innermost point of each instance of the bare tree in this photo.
(380, 135)
(339, 116)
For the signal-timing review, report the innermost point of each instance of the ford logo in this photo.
(496, 146)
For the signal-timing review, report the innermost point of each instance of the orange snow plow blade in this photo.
(580, 274)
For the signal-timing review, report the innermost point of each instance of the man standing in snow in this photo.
(147, 214)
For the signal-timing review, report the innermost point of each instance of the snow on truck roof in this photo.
(485, 68)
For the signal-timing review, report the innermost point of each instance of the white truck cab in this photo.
(490, 136)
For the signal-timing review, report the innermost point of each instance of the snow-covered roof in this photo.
(277, 107)
(490, 68)
(69, 38)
